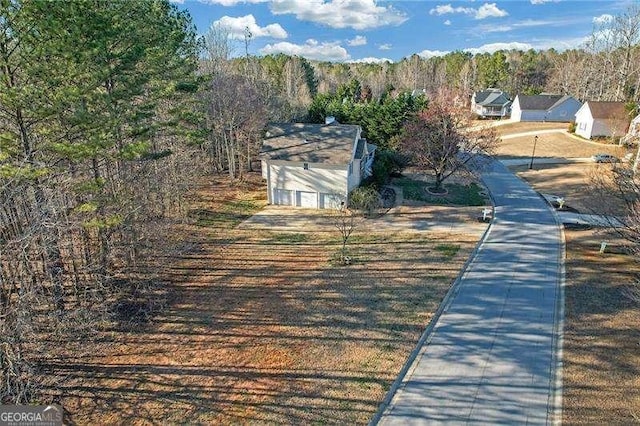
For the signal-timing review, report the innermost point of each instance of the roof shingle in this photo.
(310, 143)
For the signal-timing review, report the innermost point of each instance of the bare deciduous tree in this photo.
(439, 140)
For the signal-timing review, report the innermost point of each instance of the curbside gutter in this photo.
(555, 386)
(425, 338)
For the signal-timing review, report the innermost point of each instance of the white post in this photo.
(485, 213)
(560, 202)
(603, 245)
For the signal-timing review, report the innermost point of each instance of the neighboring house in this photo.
(602, 119)
(491, 103)
(544, 107)
(314, 165)
(633, 135)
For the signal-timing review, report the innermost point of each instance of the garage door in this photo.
(307, 199)
(330, 201)
(282, 197)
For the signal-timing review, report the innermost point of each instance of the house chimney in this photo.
(329, 119)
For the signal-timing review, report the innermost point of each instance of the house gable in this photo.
(490, 103)
(608, 119)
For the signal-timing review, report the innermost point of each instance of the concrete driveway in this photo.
(400, 219)
(491, 355)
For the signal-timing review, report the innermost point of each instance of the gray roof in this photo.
(491, 97)
(541, 102)
(310, 143)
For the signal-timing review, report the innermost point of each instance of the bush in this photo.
(386, 164)
(572, 127)
(364, 199)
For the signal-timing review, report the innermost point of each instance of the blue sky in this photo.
(371, 31)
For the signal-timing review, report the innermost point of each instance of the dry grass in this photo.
(558, 145)
(518, 127)
(260, 328)
(571, 181)
(602, 339)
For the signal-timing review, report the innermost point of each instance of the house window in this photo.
(350, 168)
(583, 126)
(305, 166)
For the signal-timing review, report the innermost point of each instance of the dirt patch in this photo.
(602, 339)
(260, 328)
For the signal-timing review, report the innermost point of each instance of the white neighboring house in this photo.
(602, 119)
(491, 103)
(314, 165)
(544, 107)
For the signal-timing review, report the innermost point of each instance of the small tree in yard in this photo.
(345, 221)
(440, 140)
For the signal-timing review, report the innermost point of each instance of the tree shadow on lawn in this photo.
(602, 361)
(265, 332)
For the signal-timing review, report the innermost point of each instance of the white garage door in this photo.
(282, 197)
(330, 201)
(307, 199)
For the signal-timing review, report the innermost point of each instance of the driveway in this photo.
(491, 355)
(462, 220)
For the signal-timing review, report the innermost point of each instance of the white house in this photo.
(491, 103)
(544, 107)
(314, 165)
(602, 119)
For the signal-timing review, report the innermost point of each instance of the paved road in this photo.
(545, 160)
(490, 357)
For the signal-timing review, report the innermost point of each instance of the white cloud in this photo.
(543, 1)
(237, 26)
(385, 46)
(603, 19)
(447, 22)
(356, 14)
(443, 9)
(487, 10)
(494, 47)
(527, 23)
(490, 10)
(559, 44)
(357, 41)
(312, 49)
(228, 2)
(431, 53)
(371, 60)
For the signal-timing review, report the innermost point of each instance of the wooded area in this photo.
(109, 110)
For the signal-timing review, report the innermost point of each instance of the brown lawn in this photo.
(261, 328)
(571, 181)
(602, 335)
(518, 127)
(554, 145)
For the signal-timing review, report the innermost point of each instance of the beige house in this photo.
(602, 119)
(314, 165)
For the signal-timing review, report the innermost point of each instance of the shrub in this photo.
(386, 164)
(364, 199)
(572, 127)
